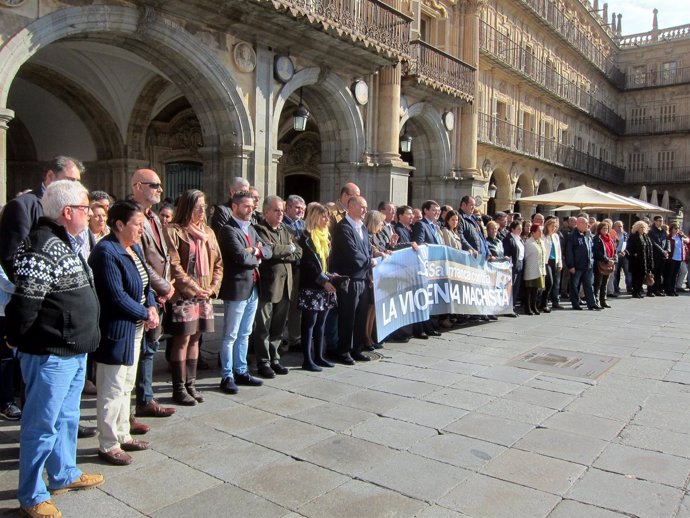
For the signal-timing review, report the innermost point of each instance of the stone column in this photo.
(388, 140)
(265, 169)
(6, 115)
(469, 117)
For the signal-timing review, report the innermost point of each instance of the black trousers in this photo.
(353, 305)
(659, 264)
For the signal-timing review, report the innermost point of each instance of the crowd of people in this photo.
(288, 275)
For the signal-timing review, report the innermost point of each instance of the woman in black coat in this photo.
(641, 258)
(316, 291)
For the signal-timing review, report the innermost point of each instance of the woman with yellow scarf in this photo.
(316, 291)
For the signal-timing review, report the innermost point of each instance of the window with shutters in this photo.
(665, 160)
(635, 162)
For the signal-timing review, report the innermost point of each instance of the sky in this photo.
(638, 15)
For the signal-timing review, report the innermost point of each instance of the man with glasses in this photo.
(293, 220)
(223, 213)
(256, 215)
(22, 214)
(147, 190)
(52, 320)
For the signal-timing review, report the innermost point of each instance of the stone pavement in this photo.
(437, 428)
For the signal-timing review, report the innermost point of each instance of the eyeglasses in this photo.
(83, 208)
(153, 185)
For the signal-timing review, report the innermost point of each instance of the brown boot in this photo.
(190, 384)
(180, 395)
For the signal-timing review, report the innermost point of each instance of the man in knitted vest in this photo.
(50, 320)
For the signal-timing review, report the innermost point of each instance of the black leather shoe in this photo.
(651, 294)
(660, 294)
(615, 295)
(369, 348)
(492, 317)
(577, 308)
(228, 386)
(605, 305)
(512, 315)
(248, 379)
(433, 333)
(421, 336)
(596, 307)
(279, 369)
(557, 306)
(345, 359)
(84, 432)
(360, 357)
(265, 371)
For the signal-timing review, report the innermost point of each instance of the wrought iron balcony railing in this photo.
(657, 175)
(513, 138)
(658, 78)
(368, 22)
(651, 125)
(433, 67)
(514, 55)
(562, 24)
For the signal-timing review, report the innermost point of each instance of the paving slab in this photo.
(645, 464)
(356, 499)
(540, 397)
(225, 500)
(584, 424)
(481, 496)
(417, 477)
(371, 400)
(562, 445)
(149, 489)
(626, 495)
(425, 413)
(290, 483)
(323, 389)
(287, 436)
(346, 455)
(459, 398)
(488, 428)
(573, 509)
(396, 434)
(239, 419)
(665, 441)
(333, 416)
(517, 411)
(464, 452)
(94, 503)
(485, 386)
(535, 471)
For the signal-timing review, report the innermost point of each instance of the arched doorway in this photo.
(544, 188)
(127, 41)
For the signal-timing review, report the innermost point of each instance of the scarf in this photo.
(321, 239)
(608, 245)
(197, 248)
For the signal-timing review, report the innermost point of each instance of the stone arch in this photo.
(341, 128)
(544, 186)
(141, 116)
(430, 151)
(100, 124)
(504, 192)
(204, 80)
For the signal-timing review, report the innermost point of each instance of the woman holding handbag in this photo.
(197, 270)
(641, 258)
(604, 251)
(534, 272)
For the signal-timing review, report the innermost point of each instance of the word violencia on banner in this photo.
(411, 286)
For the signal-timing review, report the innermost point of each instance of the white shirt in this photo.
(357, 225)
(520, 246)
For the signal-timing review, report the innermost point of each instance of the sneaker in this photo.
(45, 509)
(11, 411)
(86, 481)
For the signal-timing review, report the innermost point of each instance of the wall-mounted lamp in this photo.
(406, 142)
(492, 190)
(518, 193)
(300, 116)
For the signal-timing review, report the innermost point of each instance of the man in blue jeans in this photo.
(242, 254)
(50, 320)
(580, 262)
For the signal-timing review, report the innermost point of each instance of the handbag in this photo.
(649, 279)
(605, 268)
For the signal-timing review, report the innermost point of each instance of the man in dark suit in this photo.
(426, 232)
(276, 285)
(242, 253)
(351, 256)
(661, 247)
(470, 232)
(387, 232)
(223, 213)
(513, 248)
(22, 213)
(146, 191)
(403, 228)
(579, 259)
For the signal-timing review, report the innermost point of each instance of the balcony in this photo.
(518, 140)
(508, 52)
(658, 125)
(562, 25)
(648, 38)
(370, 23)
(658, 175)
(658, 78)
(432, 68)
